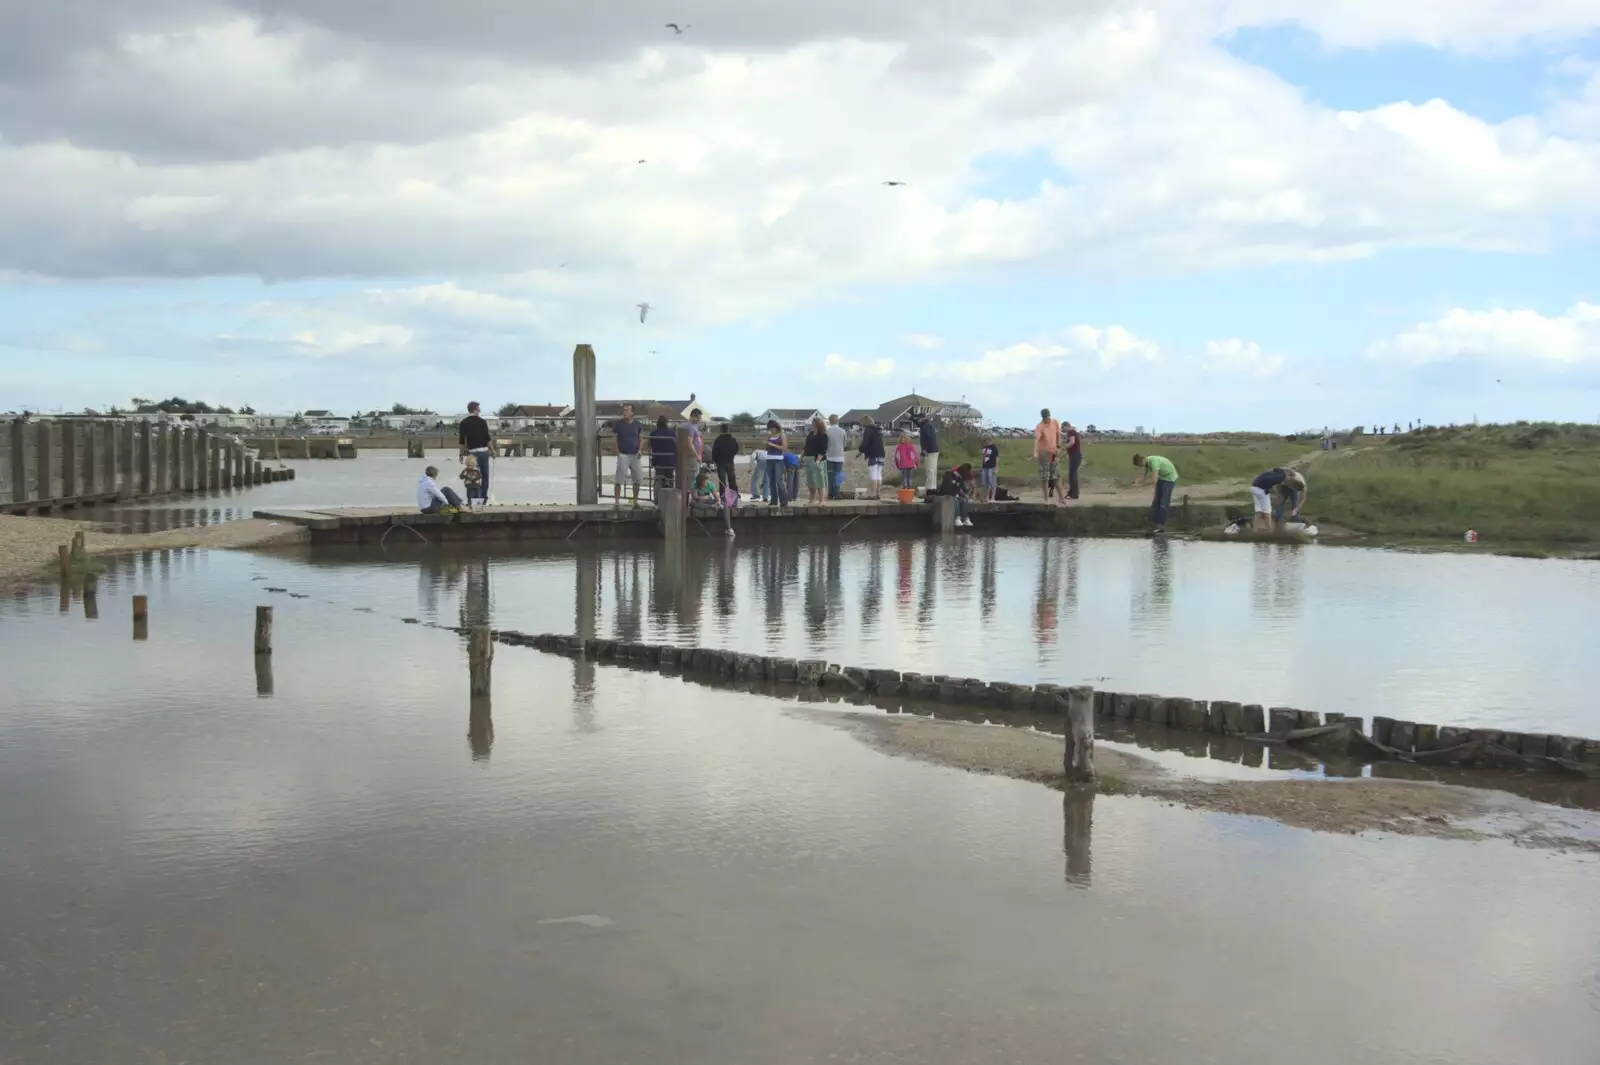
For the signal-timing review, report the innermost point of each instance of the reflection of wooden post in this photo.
(91, 598)
(264, 674)
(480, 727)
(586, 446)
(263, 630)
(141, 617)
(1077, 817)
(1078, 758)
(480, 657)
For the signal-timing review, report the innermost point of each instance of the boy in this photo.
(989, 471)
(431, 499)
(1166, 475)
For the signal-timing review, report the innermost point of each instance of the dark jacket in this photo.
(663, 447)
(872, 442)
(952, 484)
(816, 445)
(723, 449)
(930, 436)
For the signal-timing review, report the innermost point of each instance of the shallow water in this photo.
(605, 865)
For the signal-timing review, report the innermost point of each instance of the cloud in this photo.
(1241, 357)
(838, 368)
(1095, 347)
(925, 341)
(1500, 336)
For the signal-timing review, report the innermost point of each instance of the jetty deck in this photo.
(603, 521)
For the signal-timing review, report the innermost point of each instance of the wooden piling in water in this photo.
(141, 617)
(91, 598)
(1078, 755)
(80, 552)
(264, 673)
(480, 658)
(66, 561)
(263, 630)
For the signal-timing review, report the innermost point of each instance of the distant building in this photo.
(792, 419)
(896, 413)
(543, 416)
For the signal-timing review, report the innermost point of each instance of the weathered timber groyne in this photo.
(53, 464)
(1332, 734)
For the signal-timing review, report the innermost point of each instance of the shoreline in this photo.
(29, 543)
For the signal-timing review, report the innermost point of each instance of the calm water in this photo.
(605, 865)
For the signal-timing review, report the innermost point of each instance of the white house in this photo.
(792, 419)
(541, 416)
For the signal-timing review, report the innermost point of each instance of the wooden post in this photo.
(19, 461)
(174, 458)
(214, 464)
(43, 446)
(141, 618)
(1078, 758)
(69, 460)
(673, 503)
(147, 459)
(587, 445)
(126, 485)
(943, 509)
(91, 598)
(80, 552)
(236, 464)
(161, 457)
(90, 486)
(480, 658)
(263, 630)
(66, 561)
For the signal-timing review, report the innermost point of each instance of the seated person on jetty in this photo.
(431, 499)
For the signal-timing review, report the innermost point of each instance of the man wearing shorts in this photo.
(989, 471)
(628, 433)
(1290, 486)
(1046, 451)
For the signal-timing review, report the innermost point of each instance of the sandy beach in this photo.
(28, 545)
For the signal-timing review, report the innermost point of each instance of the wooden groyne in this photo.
(1331, 734)
(304, 447)
(53, 464)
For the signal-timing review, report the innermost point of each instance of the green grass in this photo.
(1536, 483)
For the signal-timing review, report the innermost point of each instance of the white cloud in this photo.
(1087, 346)
(838, 368)
(1500, 335)
(925, 341)
(1241, 357)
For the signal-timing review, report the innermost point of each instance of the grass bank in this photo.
(1522, 483)
(1206, 462)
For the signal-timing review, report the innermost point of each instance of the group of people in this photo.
(1050, 439)
(477, 450)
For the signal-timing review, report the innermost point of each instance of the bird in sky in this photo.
(894, 182)
(644, 309)
(677, 30)
(642, 160)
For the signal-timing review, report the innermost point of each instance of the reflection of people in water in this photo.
(1048, 595)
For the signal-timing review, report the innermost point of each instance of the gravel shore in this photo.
(28, 545)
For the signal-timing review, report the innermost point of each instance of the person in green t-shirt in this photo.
(1166, 475)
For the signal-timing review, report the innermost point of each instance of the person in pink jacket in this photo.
(906, 461)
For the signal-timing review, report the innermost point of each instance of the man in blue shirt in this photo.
(627, 431)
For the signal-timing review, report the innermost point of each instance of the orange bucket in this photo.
(907, 495)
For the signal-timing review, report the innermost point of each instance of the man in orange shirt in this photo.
(1046, 449)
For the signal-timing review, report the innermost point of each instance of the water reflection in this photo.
(263, 676)
(480, 726)
(1152, 604)
(1276, 579)
(1077, 820)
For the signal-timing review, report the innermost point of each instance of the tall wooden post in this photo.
(147, 460)
(19, 462)
(90, 486)
(587, 443)
(236, 463)
(214, 464)
(480, 659)
(43, 452)
(263, 630)
(1078, 757)
(127, 485)
(69, 460)
(141, 617)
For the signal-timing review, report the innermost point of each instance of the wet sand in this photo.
(1346, 806)
(28, 545)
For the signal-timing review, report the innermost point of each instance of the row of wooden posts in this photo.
(78, 461)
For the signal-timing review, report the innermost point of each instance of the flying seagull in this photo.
(894, 182)
(644, 309)
(677, 30)
(641, 160)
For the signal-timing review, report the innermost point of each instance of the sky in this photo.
(1176, 214)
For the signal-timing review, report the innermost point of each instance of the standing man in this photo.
(1074, 459)
(627, 432)
(696, 442)
(473, 436)
(930, 449)
(871, 449)
(835, 457)
(1166, 475)
(1047, 451)
(724, 449)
